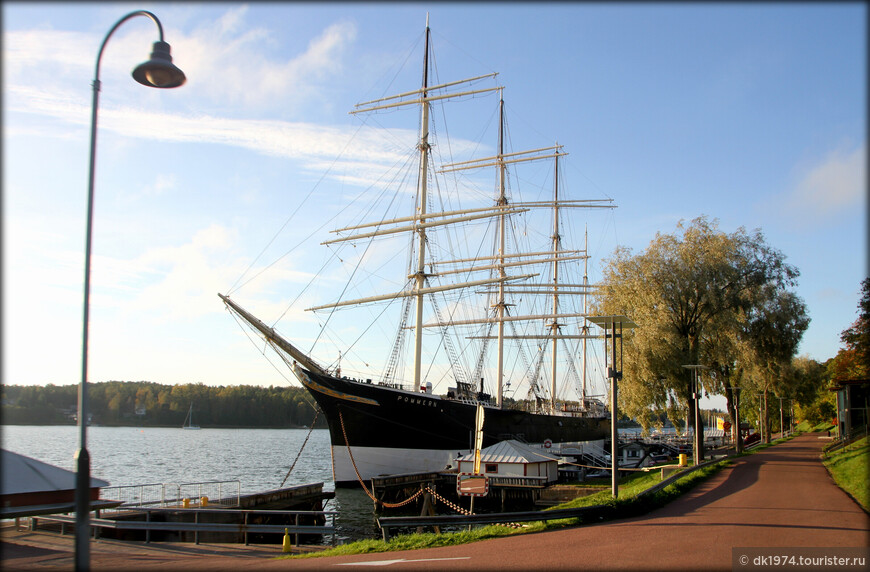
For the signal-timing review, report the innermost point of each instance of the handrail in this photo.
(196, 527)
(170, 494)
(844, 441)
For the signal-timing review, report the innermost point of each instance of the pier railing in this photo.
(203, 521)
(172, 495)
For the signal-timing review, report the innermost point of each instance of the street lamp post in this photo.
(761, 415)
(614, 372)
(781, 420)
(158, 71)
(738, 446)
(698, 447)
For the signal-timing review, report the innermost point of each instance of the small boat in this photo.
(188, 421)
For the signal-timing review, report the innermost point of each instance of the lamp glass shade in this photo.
(159, 71)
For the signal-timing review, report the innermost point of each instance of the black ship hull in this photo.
(380, 430)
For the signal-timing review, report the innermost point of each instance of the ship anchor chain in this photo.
(362, 483)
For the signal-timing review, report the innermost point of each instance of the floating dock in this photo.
(261, 518)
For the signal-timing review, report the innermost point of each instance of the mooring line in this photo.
(359, 478)
(299, 454)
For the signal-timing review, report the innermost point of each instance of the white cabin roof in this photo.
(510, 451)
(22, 474)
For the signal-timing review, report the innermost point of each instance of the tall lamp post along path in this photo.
(158, 71)
(616, 325)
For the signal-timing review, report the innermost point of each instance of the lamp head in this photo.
(159, 71)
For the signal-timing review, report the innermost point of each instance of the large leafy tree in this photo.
(853, 362)
(775, 326)
(700, 296)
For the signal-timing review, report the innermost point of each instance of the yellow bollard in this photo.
(203, 501)
(683, 460)
(287, 546)
(185, 503)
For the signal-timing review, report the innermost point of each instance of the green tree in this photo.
(696, 296)
(857, 337)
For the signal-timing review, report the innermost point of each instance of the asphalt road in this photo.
(780, 497)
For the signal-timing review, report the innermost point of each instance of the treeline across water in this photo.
(145, 403)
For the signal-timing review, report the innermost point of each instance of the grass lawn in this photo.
(850, 468)
(627, 505)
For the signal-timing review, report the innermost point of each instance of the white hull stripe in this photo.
(379, 461)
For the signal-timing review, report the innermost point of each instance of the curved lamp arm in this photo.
(158, 71)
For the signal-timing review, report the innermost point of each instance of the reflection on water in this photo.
(356, 516)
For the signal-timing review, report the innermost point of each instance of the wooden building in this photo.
(29, 487)
(513, 459)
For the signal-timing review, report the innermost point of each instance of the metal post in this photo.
(760, 424)
(781, 421)
(738, 446)
(160, 64)
(609, 322)
(614, 437)
(699, 432)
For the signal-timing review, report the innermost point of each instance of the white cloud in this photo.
(832, 186)
(226, 61)
(364, 152)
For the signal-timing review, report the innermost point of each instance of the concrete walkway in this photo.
(779, 497)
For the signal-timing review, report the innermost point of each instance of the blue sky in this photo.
(751, 114)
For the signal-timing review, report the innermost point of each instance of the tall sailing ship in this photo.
(377, 424)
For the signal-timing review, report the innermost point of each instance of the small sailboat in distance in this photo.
(188, 421)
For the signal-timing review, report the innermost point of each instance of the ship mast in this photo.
(420, 276)
(585, 328)
(554, 325)
(502, 204)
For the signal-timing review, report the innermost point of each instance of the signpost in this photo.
(478, 437)
(475, 483)
(472, 485)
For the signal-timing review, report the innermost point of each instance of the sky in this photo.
(750, 114)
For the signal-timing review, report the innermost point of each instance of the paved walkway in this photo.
(779, 497)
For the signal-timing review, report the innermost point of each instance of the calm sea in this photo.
(258, 458)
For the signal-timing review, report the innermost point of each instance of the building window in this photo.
(491, 468)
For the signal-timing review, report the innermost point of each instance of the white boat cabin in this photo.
(513, 459)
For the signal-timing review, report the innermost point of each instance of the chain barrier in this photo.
(361, 482)
(461, 510)
(425, 488)
(455, 507)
